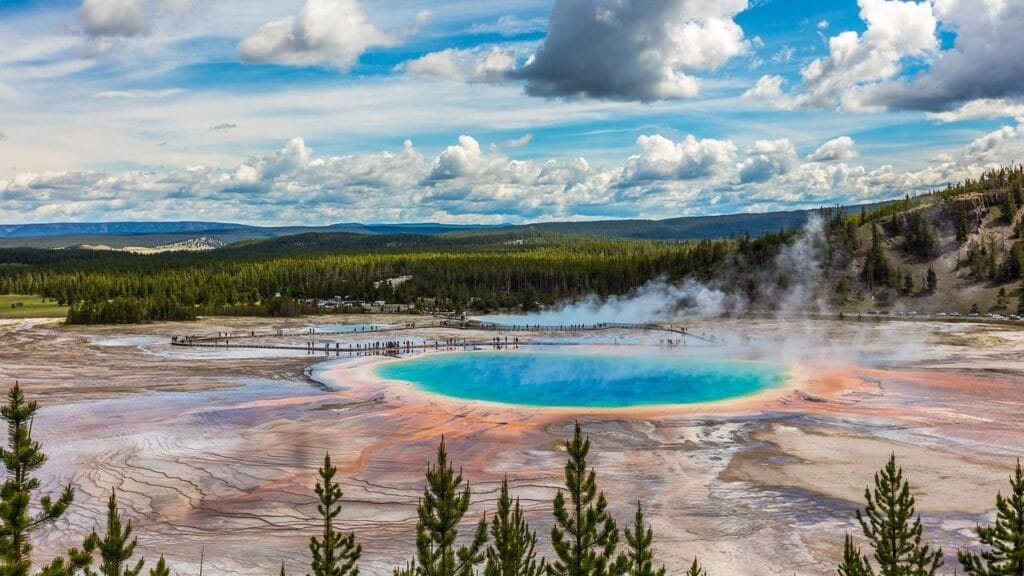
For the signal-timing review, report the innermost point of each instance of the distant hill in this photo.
(115, 228)
(120, 235)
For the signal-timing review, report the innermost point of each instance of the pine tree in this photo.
(640, 556)
(886, 522)
(877, 270)
(962, 227)
(334, 553)
(696, 569)
(21, 458)
(1004, 539)
(854, 562)
(932, 280)
(440, 512)
(161, 568)
(584, 536)
(511, 552)
(116, 547)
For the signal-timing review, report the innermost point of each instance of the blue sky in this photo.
(316, 111)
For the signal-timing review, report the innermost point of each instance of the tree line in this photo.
(485, 272)
(586, 539)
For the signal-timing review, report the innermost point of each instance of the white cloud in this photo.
(113, 17)
(837, 149)
(519, 142)
(510, 25)
(474, 65)
(896, 30)
(767, 159)
(769, 90)
(785, 54)
(983, 64)
(823, 25)
(982, 108)
(633, 49)
(691, 158)
(325, 32)
(469, 182)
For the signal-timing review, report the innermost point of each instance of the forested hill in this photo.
(956, 250)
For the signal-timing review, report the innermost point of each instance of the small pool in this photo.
(590, 380)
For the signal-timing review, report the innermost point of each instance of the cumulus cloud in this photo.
(834, 150)
(983, 64)
(768, 89)
(113, 17)
(633, 49)
(896, 30)
(490, 66)
(691, 158)
(471, 182)
(223, 126)
(767, 159)
(325, 32)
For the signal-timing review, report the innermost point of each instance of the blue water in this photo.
(567, 379)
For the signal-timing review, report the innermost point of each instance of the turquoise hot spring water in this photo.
(584, 379)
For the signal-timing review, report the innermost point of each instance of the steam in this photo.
(793, 286)
(788, 294)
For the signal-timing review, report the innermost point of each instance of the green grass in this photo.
(31, 307)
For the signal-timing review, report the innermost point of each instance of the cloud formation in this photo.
(983, 64)
(633, 49)
(331, 33)
(113, 17)
(836, 149)
(896, 30)
(489, 65)
(470, 182)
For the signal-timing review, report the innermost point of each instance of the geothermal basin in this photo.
(569, 378)
(751, 452)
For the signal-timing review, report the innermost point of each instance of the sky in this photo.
(284, 112)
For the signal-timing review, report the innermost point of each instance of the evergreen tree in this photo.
(886, 522)
(21, 458)
(584, 536)
(696, 569)
(511, 552)
(640, 556)
(161, 568)
(116, 547)
(932, 280)
(1004, 539)
(1009, 208)
(854, 562)
(440, 512)
(334, 553)
(908, 284)
(963, 229)
(877, 270)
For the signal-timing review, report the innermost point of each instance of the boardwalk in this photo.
(394, 347)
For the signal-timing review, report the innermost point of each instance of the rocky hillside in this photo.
(958, 250)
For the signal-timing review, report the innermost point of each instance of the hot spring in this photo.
(590, 380)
